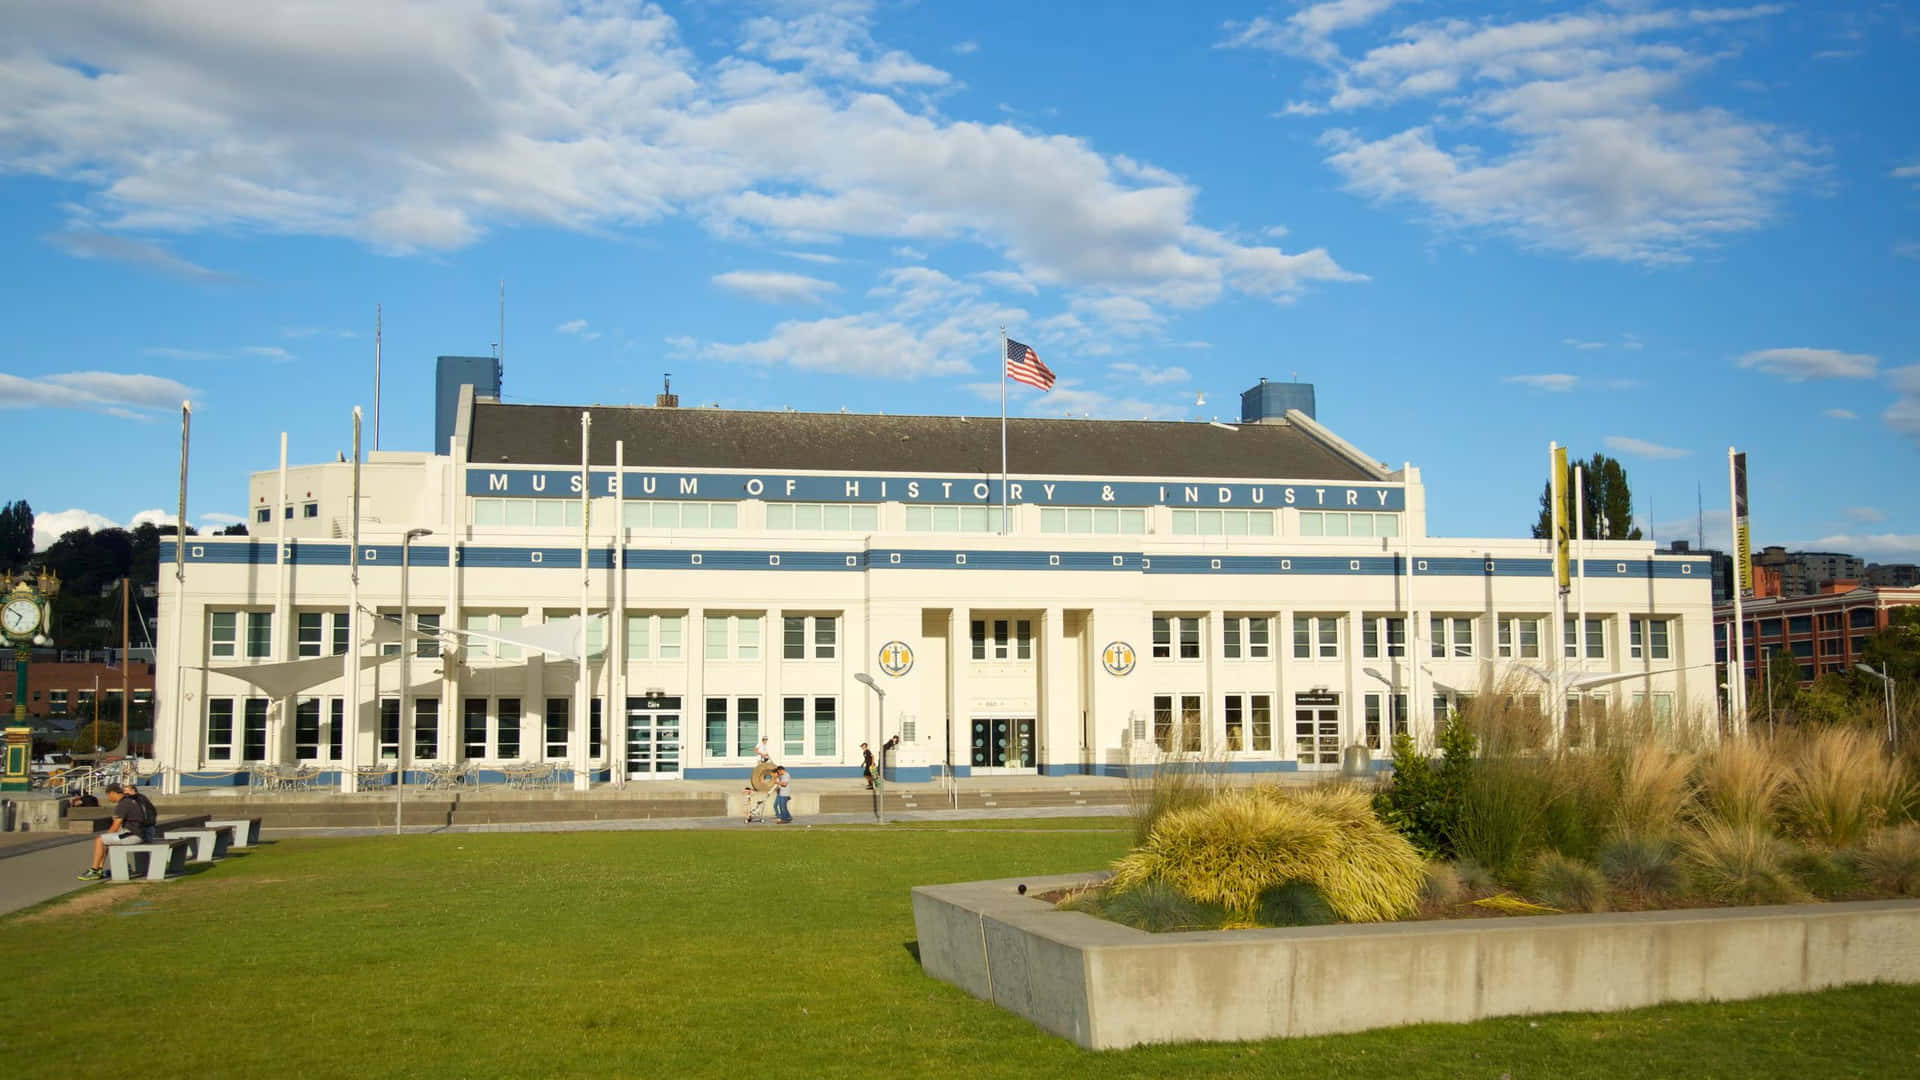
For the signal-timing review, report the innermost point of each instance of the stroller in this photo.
(759, 792)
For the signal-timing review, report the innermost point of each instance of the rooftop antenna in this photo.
(500, 352)
(376, 377)
(1700, 521)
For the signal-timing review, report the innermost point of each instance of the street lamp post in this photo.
(1887, 694)
(406, 674)
(880, 775)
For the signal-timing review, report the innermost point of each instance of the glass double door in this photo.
(1003, 742)
(1316, 730)
(653, 738)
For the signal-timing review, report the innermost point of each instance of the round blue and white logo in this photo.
(1118, 658)
(896, 658)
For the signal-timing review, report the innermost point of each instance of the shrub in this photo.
(1442, 886)
(1474, 878)
(1243, 843)
(1176, 780)
(1825, 874)
(1161, 909)
(1655, 788)
(1296, 903)
(1841, 788)
(1577, 823)
(1739, 866)
(1568, 884)
(1503, 814)
(1891, 860)
(1743, 782)
(1641, 865)
(1423, 799)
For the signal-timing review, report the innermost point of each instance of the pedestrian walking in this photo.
(866, 765)
(782, 792)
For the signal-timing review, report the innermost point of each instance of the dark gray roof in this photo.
(859, 442)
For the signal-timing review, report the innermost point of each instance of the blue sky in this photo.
(1644, 229)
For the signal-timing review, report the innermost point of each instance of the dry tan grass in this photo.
(1743, 783)
(1655, 790)
(1841, 786)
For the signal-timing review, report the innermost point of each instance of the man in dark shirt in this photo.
(866, 765)
(129, 826)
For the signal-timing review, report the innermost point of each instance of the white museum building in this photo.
(1260, 592)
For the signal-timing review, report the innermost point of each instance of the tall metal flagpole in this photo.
(1003, 431)
(582, 692)
(1736, 640)
(376, 377)
(350, 712)
(171, 783)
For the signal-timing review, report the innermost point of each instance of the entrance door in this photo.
(1316, 730)
(653, 738)
(1003, 742)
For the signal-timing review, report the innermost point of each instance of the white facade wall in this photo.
(1081, 716)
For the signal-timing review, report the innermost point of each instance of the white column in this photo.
(1059, 720)
(959, 663)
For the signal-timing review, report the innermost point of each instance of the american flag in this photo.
(1023, 365)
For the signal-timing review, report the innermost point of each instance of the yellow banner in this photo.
(1562, 519)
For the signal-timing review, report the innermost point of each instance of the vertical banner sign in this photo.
(1562, 521)
(1742, 551)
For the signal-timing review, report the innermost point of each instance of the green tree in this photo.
(238, 528)
(16, 534)
(1606, 502)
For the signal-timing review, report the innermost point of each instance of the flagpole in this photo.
(1003, 431)
(1736, 639)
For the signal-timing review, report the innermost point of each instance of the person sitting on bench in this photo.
(132, 822)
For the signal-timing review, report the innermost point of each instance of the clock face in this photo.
(20, 617)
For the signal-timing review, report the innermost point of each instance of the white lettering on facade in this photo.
(1106, 493)
(1163, 493)
(755, 487)
(613, 483)
(539, 482)
(497, 481)
(790, 486)
(689, 485)
(946, 489)
(1289, 496)
(1259, 495)
(1013, 492)
(1383, 497)
(883, 490)
(913, 489)
(1226, 495)
(1193, 494)
(648, 484)
(1048, 488)
(1353, 497)
(574, 483)
(981, 490)
(853, 489)
(1320, 494)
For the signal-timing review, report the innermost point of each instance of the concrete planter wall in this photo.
(1106, 986)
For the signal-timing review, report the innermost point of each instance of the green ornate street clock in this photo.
(23, 622)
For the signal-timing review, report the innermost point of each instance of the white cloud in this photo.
(1875, 547)
(1071, 398)
(1153, 376)
(1908, 172)
(123, 249)
(215, 519)
(292, 119)
(99, 391)
(1578, 344)
(1864, 514)
(1570, 132)
(155, 516)
(1839, 414)
(1801, 364)
(169, 353)
(577, 328)
(775, 287)
(967, 48)
(271, 353)
(1631, 342)
(814, 257)
(1009, 280)
(1622, 444)
(914, 253)
(51, 526)
(1557, 382)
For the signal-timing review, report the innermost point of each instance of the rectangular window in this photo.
(1392, 628)
(1177, 731)
(507, 744)
(979, 638)
(826, 735)
(794, 638)
(1176, 636)
(742, 631)
(311, 510)
(747, 634)
(999, 639)
(340, 631)
(824, 517)
(477, 648)
(1248, 722)
(801, 632)
(219, 729)
(1223, 523)
(1596, 639)
(793, 726)
(746, 725)
(826, 636)
(390, 727)
(221, 633)
(1189, 638)
(1023, 639)
(1348, 523)
(254, 737)
(953, 519)
(311, 631)
(426, 729)
(505, 650)
(1452, 636)
(1230, 638)
(1095, 520)
(716, 727)
(1647, 639)
(473, 729)
(677, 515)
(57, 702)
(595, 730)
(427, 625)
(596, 627)
(1519, 636)
(559, 712)
(716, 637)
(670, 630)
(1381, 717)
(1316, 637)
(1247, 637)
(306, 729)
(259, 635)
(336, 728)
(1162, 638)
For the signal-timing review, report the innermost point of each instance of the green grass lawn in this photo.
(711, 953)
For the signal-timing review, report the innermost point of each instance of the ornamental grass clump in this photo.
(1842, 787)
(1655, 789)
(1646, 867)
(1743, 783)
(1890, 860)
(1567, 884)
(1236, 848)
(1159, 908)
(1740, 866)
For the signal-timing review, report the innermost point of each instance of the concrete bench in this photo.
(208, 843)
(246, 831)
(160, 860)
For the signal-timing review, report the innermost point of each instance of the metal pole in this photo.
(350, 712)
(179, 718)
(583, 692)
(1770, 653)
(406, 673)
(617, 628)
(880, 778)
(1003, 431)
(376, 377)
(1737, 636)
